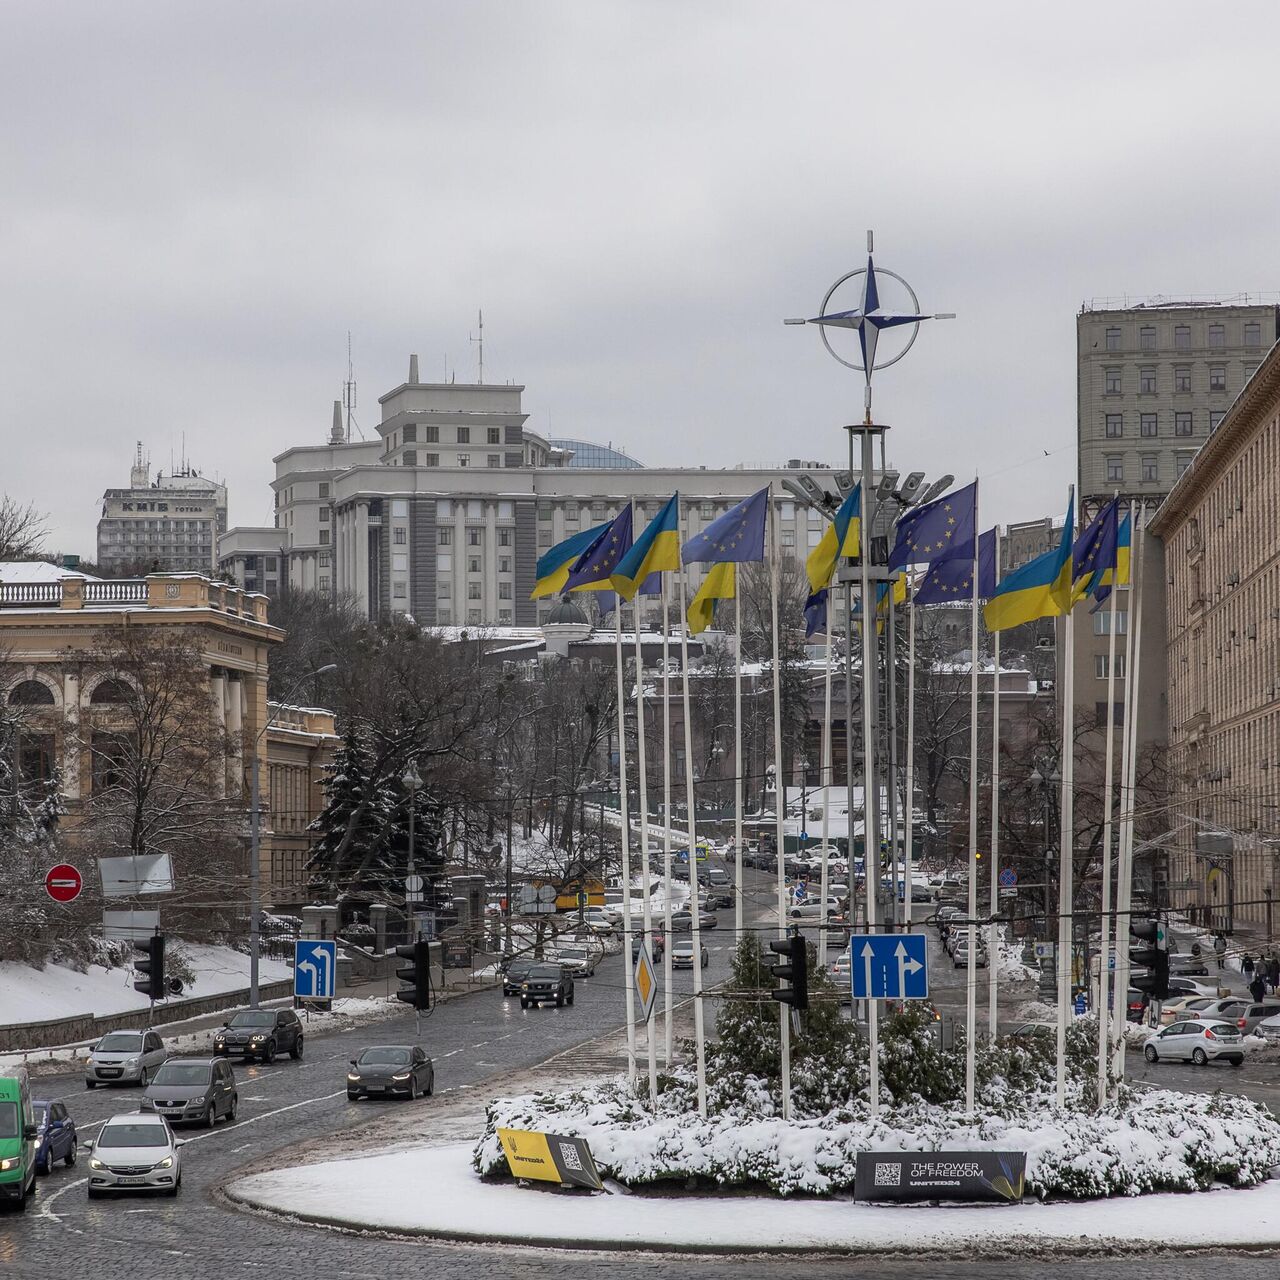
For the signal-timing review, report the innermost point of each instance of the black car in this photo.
(544, 983)
(385, 1069)
(515, 973)
(260, 1033)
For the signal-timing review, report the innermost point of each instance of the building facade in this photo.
(1220, 533)
(167, 525)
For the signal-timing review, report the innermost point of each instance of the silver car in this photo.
(840, 972)
(1202, 1042)
(193, 1091)
(682, 954)
(134, 1153)
(124, 1057)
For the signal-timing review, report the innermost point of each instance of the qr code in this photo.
(888, 1175)
(569, 1154)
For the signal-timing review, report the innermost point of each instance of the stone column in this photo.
(362, 558)
(75, 752)
(235, 729)
(218, 695)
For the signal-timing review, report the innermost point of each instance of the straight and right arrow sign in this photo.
(890, 966)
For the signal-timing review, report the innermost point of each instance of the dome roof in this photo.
(567, 612)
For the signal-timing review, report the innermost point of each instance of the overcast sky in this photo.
(198, 202)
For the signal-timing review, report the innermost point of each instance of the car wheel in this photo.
(1150, 1053)
(144, 1078)
(44, 1167)
(1199, 1057)
(94, 1193)
(173, 1190)
(90, 1084)
(559, 1002)
(413, 1087)
(570, 1000)
(72, 1152)
(269, 1053)
(210, 1117)
(352, 1097)
(1237, 1062)
(524, 1004)
(431, 1082)
(231, 1113)
(296, 1052)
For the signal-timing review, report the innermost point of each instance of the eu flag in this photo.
(738, 535)
(600, 559)
(947, 580)
(1096, 551)
(815, 613)
(938, 530)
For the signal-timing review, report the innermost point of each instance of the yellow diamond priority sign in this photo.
(646, 981)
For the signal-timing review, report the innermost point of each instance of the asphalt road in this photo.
(478, 1041)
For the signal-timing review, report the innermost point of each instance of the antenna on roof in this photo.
(480, 342)
(349, 389)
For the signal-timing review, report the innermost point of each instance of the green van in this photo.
(17, 1138)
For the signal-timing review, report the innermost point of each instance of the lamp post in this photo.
(411, 781)
(255, 831)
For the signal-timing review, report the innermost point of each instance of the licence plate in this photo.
(130, 1182)
(109, 1071)
(377, 1088)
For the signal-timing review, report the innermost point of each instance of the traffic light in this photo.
(1150, 954)
(795, 971)
(416, 975)
(150, 967)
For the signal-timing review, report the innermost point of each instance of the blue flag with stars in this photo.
(738, 535)
(815, 613)
(938, 530)
(947, 580)
(600, 559)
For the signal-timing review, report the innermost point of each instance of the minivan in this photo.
(18, 1137)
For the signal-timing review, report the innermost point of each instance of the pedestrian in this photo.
(1220, 950)
(1258, 988)
(1274, 973)
(1246, 967)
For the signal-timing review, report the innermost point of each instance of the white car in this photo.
(811, 908)
(839, 970)
(134, 1152)
(124, 1057)
(601, 919)
(580, 961)
(1202, 1042)
(682, 954)
(960, 956)
(1269, 1028)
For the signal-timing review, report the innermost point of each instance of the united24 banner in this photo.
(549, 1157)
(940, 1175)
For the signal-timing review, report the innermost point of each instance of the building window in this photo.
(495, 435)
(1100, 664)
(1252, 333)
(1217, 335)
(1183, 461)
(1150, 467)
(1182, 337)
(707, 510)
(475, 535)
(443, 590)
(1148, 425)
(464, 435)
(400, 507)
(1112, 381)
(598, 510)
(1100, 715)
(444, 509)
(1115, 426)
(324, 537)
(1115, 467)
(788, 537)
(473, 617)
(1215, 417)
(1182, 377)
(473, 591)
(1182, 424)
(495, 460)
(444, 615)
(400, 591)
(430, 459)
(464, 459)
(504, 537)
(1102, 622)
(322, 559)
(1147, 337)
(324, 515)
(430, 433)
(1147, 380)
(473, 564)
(1217, 377)
(409, 458)
(411, 433)
(400, 562)
(444, 537)
(444, 561)
(504, 616)
(400, 537)
(504, 564)
(1113, 339)
(506, 510)
(323, 582)
(504, 591)
(324, 489)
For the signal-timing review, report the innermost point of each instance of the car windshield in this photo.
(183, 1073)
(1222, 1028)
(253, 1018)
(573, 953)
(120, 1042)
(386, 1056)
(8, 1119)
(41, 1113)
(133, 1133)
(545, 971)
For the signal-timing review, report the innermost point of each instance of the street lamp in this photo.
(411, 781)
(255, 828)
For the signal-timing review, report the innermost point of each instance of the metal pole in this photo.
(737, 758)
(971, 972)
(780, 798)
(511, 811)
(891, 699)
(1104, 953)
(643, 779)
(993, 933)
(909, 805)
(628, 975)
(1066, 838)
(824, 880)
(666, 826)
(255, 905)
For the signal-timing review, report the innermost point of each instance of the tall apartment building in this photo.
(167, 525)
(445, 514)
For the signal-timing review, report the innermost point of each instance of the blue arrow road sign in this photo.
(315, 969)
(889, 966)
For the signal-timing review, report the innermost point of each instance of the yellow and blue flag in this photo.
(843, 537)
(553, 567)
(949, 580)
(721, 583)
(593, 568)
(654, 551)
(1041, 588)
(736, 536)
(938, 530)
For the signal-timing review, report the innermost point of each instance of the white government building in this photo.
(444, 515)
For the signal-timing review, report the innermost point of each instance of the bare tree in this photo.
(22, 530)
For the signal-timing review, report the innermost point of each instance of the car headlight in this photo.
(11, 1163)
(96, 1164)
(403, 1075)
(132, 1062)
(524, 986)
(353, 1075)
(166, 1163)
(258, 1039)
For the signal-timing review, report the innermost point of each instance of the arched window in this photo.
(30, 693)
(110, 691)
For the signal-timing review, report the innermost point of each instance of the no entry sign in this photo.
(63, 883)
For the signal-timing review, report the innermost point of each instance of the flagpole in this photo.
(666, 825)
(625, 814)
(1104, 948)
(971, 982)
(699, 1031)
(780, 796)
(1066, 837)
(738, 770)
(993, 934)
(891, 703)
(643, 783)
(909, 781)
(826, 795)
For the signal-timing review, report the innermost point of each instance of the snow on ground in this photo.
(385, 1191)
(40, 995)
(1011, 964)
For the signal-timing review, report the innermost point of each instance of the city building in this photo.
(597, 457)
(254, 558)
(167, 525)
(1219, 530)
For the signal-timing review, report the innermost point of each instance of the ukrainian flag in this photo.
(553, 567)
(1040, 589)
(721, 583)
(655, 550)
(843, 537)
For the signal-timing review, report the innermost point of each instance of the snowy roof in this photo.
(15, 571)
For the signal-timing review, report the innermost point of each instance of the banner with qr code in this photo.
(940, 1175)
(549, 1157)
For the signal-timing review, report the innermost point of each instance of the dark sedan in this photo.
(384, 1070)
(55, 1135)
(514, 974)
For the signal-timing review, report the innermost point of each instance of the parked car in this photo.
(1135, 1004)
(124, 1057)
(1254, 1013)
(193, 1091)
(17, 1138)
(1190, 987)
(134, 1152)
(682, 954)
(384, 1069)
(1201, 1042)
(718, 898)
(1269, 1028)
(1029, 1030)
(1225, 1008)
(960, 956)
(812, 908)
(260, 1033)
(947, 913)
(1188, 966)
(55, 1135)
(1184, 1007)
(579, 960)
(600, 919)
(515, 973)
(546, 982)
(682, 921)
(657, 944)
(839, 970)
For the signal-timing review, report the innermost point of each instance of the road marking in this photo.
(46, 1209)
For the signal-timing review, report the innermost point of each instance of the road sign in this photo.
(804, 837)
(890, 966)
(646, 982)
(63, 883)
(413, 888)
(315, 969)
(1045, 950)
(1009, 893)
(1008, 877)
